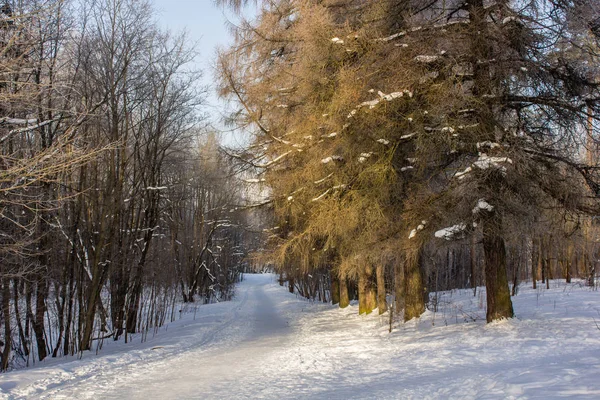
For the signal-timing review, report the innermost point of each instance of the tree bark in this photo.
(381, 292)
(335, 288)
(7, 329)
(344, 298)
(399, 286)
(291, 285)
(414, 289)
(38, 323)
(499, 304)
(366, 293)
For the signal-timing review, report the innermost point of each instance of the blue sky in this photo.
(206, 24)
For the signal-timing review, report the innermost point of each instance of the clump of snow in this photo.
(485, 162)
(337, 40)
(487, 144)
(451, 232)
(426, 59)
(384, 142)
(364, 156)
(509, 19)
(391, 37)
(327, 160)
(482, 205)
(413, 233)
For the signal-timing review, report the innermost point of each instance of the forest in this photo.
(116, 204)
(396, 148)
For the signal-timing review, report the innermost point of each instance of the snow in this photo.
(327, 160)
(485, 162)
(509, 19)
(482, 205)
(451, 232)
(269, 344)
(324, 179)
(364, 156)
(488, 144)
(337, 40)
(426, 59)
(414, 232)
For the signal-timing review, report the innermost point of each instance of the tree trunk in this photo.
(535, 255)
(473, 258)
(414, 289)
(366, 294)
(335, 288)
(499, 304)
(7, 330)
(40, 311)
(291, 285)
(344, 298)
(381, 300)
(399, 286)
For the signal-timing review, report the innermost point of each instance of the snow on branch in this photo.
(414, 232)
(324, 179)
(482, 205)
(382, 97)
(426, 59)
(327, 160)
(485, 162)
(325, 193)
(421, 28)
(273, 161)
(18, 121)
(364, 156)
(452, 232)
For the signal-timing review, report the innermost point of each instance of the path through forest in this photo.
(269, 344)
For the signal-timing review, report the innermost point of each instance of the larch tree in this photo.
(385, 126)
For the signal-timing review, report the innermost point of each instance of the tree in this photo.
(379, 123)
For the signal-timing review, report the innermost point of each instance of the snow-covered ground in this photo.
(269, 344)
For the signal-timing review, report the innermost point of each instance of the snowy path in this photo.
(268, 344)
(225, 345)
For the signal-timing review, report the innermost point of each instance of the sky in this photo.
(206, 24)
